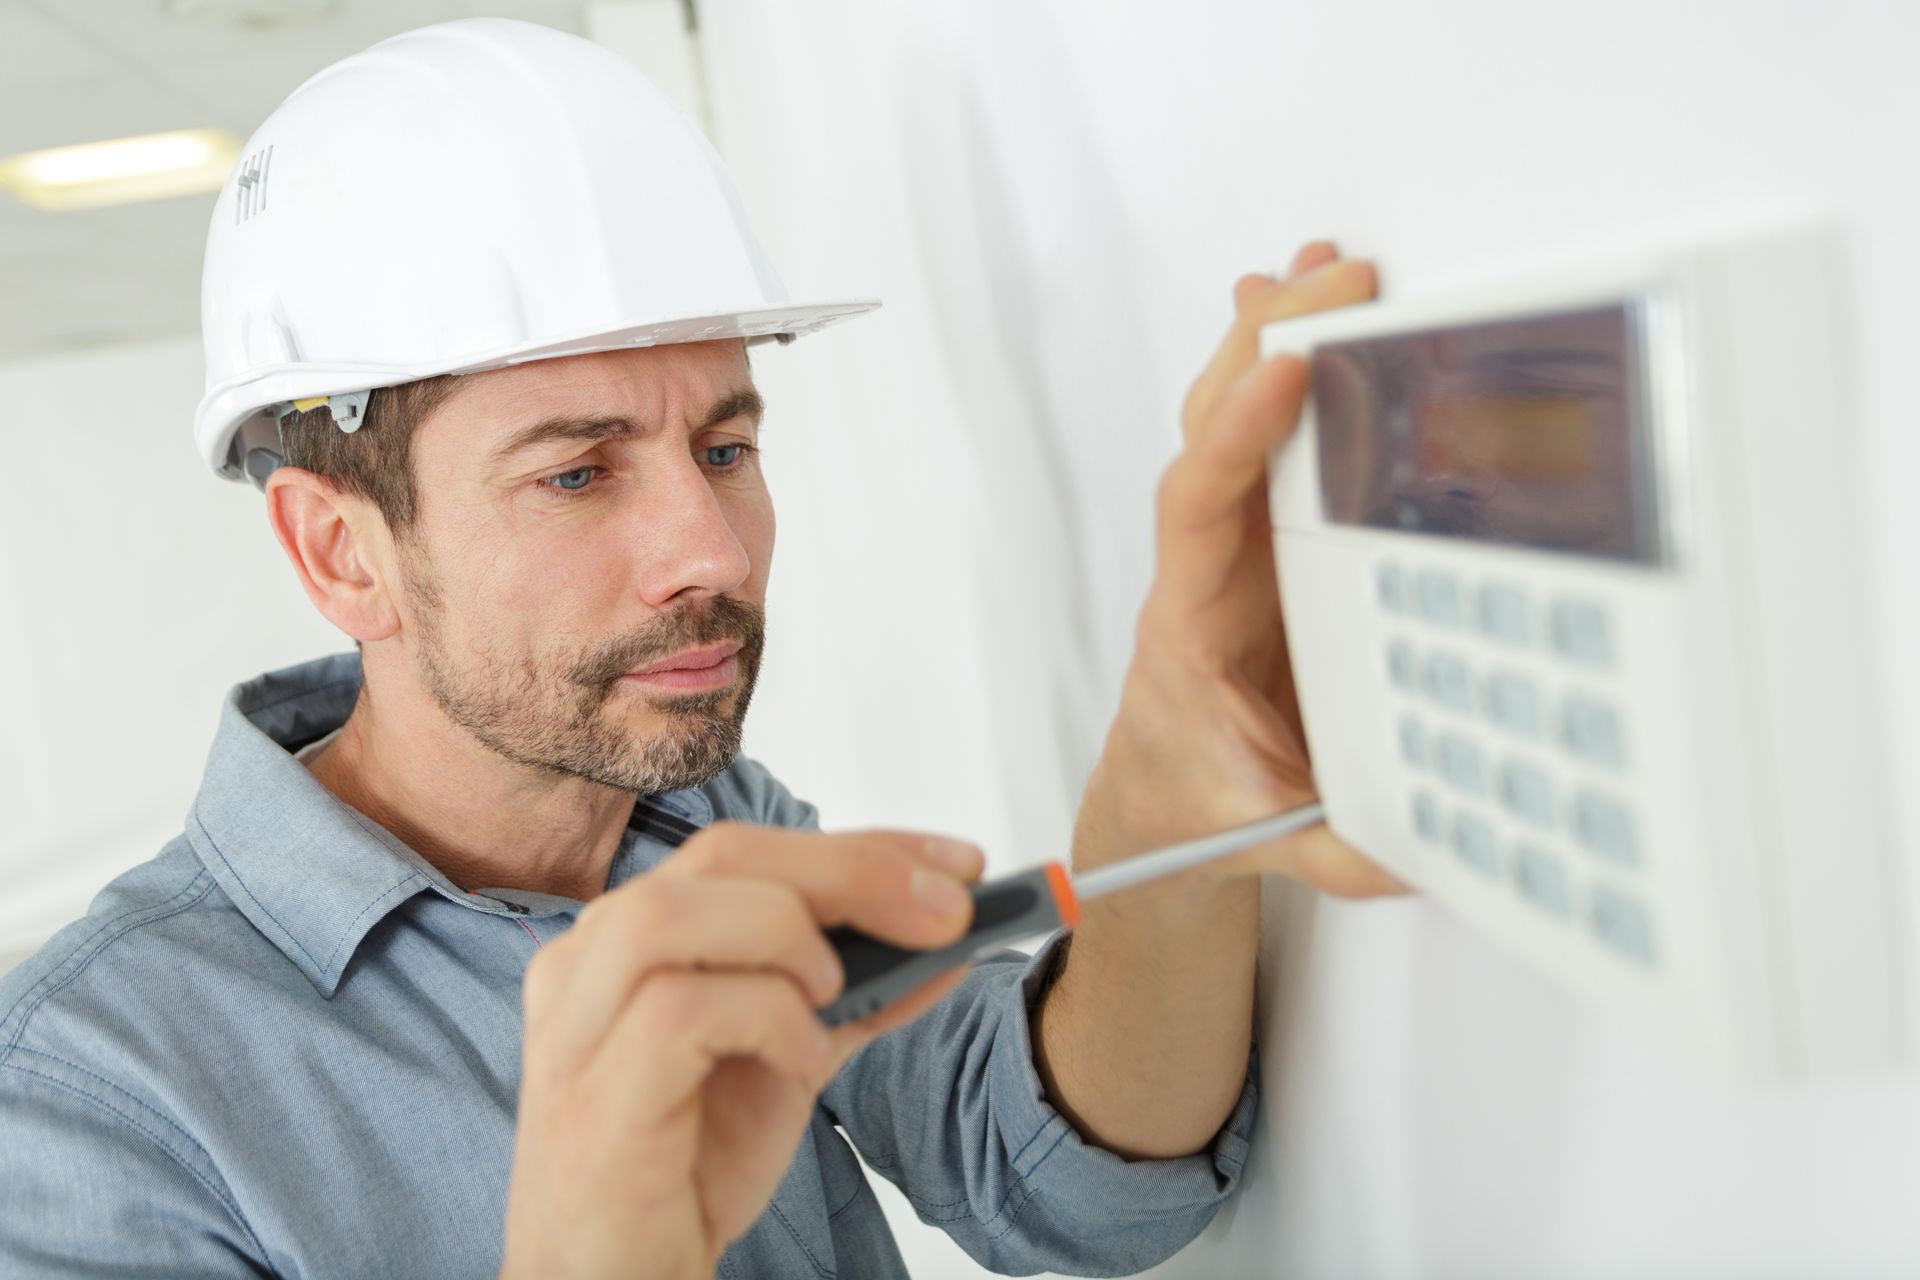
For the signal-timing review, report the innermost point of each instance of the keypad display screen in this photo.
(1529, 431)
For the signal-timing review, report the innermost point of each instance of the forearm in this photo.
(1142, 1042)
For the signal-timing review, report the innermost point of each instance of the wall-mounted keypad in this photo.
(1510, 764)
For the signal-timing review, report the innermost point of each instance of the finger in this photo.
(957, 858)
(1202, 496)
(1251, 290)
(1333, 866)
(902, 887)
(653, 923)
(1319, 858)
(1312, 255)
(1237, 349)
(1261, 300)
(666, 1042)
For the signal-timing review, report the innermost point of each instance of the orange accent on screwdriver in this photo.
(1039, 900)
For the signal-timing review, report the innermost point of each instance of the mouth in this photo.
(705, 668)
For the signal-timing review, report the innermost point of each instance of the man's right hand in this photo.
(672, 1053)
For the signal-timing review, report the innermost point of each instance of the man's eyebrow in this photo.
(562, 427)
(586, 429)
(745, 403)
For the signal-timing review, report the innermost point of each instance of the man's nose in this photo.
(685, 542)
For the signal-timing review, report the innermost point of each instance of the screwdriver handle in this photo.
(878, 973)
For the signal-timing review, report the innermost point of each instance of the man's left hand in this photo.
(1209, 733)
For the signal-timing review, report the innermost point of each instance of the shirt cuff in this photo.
(1050, 1156)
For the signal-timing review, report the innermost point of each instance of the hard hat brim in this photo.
(232, 414)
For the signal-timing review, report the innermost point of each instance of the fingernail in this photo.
(939, 894)
(956, 856)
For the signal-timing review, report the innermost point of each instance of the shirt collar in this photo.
(311, 873)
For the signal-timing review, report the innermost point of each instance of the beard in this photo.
(549, 712)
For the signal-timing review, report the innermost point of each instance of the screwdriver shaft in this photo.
(1178, 857)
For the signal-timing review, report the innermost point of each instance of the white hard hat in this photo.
(463, 197)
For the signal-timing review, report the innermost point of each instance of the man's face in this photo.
(578, 520)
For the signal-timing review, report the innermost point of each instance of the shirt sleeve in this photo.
(951, 1110)
(96, 1186)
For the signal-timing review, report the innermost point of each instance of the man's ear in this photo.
(340, 548)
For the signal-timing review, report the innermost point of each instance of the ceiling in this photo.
(83, 70)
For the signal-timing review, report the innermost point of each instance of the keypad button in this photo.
(1591, 731)
(1581, 632)
(1458, 761)
(1513, 703)
(1526, 792)
(1391, 581)
(1437, 597)
(1605, 827)
(1542, 880)
(1474, 843)
(1413, 742)
(1426, 816)
(1449, 681)
(1402, 668)
(1621, 923)
(1502, 614)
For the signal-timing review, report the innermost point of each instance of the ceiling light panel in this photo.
(121, 170)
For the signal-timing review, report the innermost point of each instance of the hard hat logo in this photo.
(252, 185)
(538, 198)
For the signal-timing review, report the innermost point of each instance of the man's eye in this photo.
(570, 481)
(732, 452)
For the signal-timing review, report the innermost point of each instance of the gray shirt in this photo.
(288, 1046)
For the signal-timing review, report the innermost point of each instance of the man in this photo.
(483, 949)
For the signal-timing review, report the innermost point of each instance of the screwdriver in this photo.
(1039, 900)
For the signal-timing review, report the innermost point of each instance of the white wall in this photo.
(134, 589)
(1054, 196)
